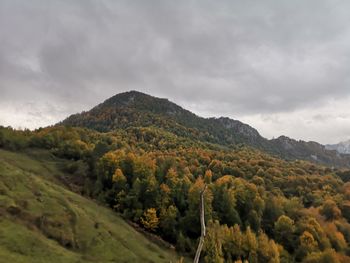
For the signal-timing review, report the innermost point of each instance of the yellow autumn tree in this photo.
(307, 242)
(208, 176)
(118, 177)
(150, 221)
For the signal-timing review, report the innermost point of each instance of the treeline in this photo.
(258, 208)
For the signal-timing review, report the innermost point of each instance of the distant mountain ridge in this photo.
(136, 109)
(342, 147)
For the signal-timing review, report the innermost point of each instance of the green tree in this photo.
(284, 232)
(307, 245)
(224, 204)
(330, 210)
(191, 221)
(213, 244)
(267, 249)
(119, 180)
(168, 222)
(250, 246)
(233, 245)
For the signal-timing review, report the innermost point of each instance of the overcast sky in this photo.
(281, 66)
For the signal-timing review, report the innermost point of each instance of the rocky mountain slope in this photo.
(342, 147)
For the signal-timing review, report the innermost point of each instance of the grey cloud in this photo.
(237, 58)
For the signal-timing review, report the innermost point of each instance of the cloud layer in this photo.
(278, 65)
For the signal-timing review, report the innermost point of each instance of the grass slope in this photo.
(42, 221)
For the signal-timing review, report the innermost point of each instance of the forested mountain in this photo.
(148, 160)
(135, 109)
(258, 208)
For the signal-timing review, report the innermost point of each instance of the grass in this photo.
(42, 221)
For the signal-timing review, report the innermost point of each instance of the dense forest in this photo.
(258, 208)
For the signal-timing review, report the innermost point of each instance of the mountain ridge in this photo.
(342, 147)
(137, 109)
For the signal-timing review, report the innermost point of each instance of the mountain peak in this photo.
(141, 101)
(137, 109)
(127, 98)
(129, 95)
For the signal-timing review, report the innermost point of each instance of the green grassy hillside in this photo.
(42, 221)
